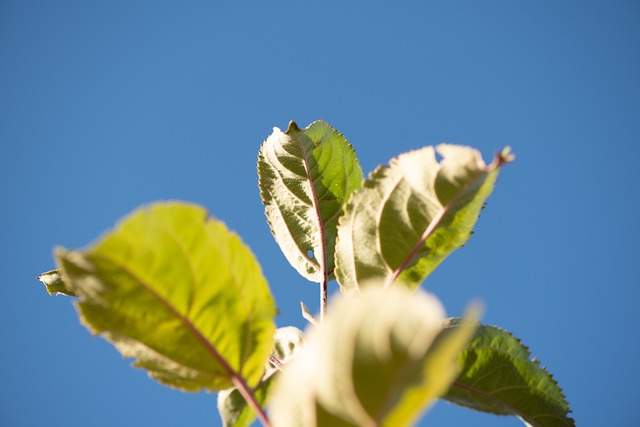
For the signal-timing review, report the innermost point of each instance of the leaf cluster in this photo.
(176, 291)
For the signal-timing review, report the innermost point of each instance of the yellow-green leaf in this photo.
(175, 290)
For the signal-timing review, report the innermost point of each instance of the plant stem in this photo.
(250, 398)
(275, 362)
(323, 298)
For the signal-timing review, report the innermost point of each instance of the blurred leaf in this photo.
(232, 406)
(55, 285)
(412, 214)
(178, 292)
(305, 177)
(498, 376)
(372, 362)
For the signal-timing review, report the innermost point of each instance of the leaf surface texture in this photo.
(498, 376)
(175, 290)
(305, 177)
(412, 214)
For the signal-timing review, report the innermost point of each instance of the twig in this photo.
(275, 362)
(250, 398)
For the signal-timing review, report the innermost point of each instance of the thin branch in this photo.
(275, 362)
(323, 297)
(250, 398)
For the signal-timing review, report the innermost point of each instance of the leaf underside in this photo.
(179, 293)
(498, 376)
(305, 177)
(372, 362)
(412, 214)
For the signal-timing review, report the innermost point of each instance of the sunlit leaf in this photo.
(305, 177)
(55, 284)
(175, 290)
(498, 376)
(411, 214)
(232, 407)
(374, 361)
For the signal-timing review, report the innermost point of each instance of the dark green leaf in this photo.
(498, 376)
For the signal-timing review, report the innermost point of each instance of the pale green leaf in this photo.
(175, 290)
(498, 376)
(233, 409)
(55, 284)
(305, 177)
(412, 214)
(373, 362)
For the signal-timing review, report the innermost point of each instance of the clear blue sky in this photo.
(108, 105)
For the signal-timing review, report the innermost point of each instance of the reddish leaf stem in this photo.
(250, 398)
(323, 298)
(235, 377)
(430, 229)
(275, 362)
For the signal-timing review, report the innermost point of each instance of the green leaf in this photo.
(498, 376)
(373, 361)
(55, 284)
(412, 214)
(305, 177)
(232, 407)
(178, 292)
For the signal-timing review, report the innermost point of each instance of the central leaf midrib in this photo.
(247, 311)
(316, 207)
(471, 389)
(190, 326)
(490, 395)
(433, 224)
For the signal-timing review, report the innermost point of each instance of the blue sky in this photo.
(108, 105)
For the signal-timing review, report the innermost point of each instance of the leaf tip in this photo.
(504, 157)
(293, 127)
(475, 310)
(54, 283)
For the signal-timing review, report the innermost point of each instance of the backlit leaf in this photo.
(498, 376)
(373, 362)
(175, 290)
(305, 177)
(411, 214)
